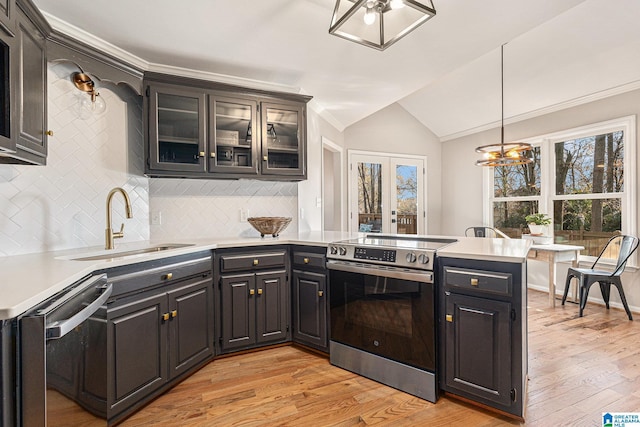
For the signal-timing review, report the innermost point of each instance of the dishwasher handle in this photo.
(60, 328)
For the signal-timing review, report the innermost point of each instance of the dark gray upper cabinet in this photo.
(32, 90)
(243, 132)
(483, 327)
(23, 95)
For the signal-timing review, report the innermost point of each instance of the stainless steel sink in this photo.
(121, 254)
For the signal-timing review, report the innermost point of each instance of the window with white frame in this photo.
(582, 178)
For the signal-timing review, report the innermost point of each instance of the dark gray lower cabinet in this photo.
(483, 332)
(310, 309)
(254, 309)
(253, 299)
(309, 295)
(155, 337)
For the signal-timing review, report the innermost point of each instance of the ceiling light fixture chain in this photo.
(510, 154)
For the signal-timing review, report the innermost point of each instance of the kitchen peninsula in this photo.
(36, 277)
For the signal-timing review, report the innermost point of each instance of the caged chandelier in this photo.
(378, 23)
(509, 154)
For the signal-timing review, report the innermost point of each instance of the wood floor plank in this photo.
(578, 368)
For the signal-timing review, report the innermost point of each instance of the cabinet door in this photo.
(7, 93)
(232, 135)
(272, 306)
(310, 309)
(176, 129)
(137, 337)
(31, 90)
(191, 326)
(238, 306)
(478, 347)
(283, 139)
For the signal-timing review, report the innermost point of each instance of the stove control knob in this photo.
(411, 257)
(334, 250)
(343, 251)
(423, 259)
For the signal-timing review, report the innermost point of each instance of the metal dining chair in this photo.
(588, 276)
(484, 232)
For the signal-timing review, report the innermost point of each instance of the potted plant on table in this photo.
(537, 223)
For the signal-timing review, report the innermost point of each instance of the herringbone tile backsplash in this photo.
(62, 205)
(211, 208)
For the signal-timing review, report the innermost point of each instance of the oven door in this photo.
(385, 311)
(63, 357)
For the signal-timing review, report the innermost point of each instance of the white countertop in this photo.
(29, 279)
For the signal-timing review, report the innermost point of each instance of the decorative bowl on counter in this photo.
(269, 224)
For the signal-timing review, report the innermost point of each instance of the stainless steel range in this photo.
(382, 305)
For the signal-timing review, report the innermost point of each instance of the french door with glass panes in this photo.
(386, 193)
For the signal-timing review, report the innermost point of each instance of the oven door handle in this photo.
(371, 270)
(63, 327)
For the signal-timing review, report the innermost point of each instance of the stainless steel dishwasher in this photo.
(63, 360)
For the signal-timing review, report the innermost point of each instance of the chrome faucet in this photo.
(109, 234)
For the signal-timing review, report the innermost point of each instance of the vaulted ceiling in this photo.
(446, 73)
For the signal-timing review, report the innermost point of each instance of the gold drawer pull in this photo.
(168, 276)
(49, 133)
(174, 313)
(256, 262)
(252, 292)
(320, 293)
(165, 316)
(474, 282)
(306, 260)
(259, 291)
(449, 318)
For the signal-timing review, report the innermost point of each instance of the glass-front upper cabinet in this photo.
(176, 129)
(232, 135)
(282, 139)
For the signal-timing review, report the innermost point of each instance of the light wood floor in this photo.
(578, 368)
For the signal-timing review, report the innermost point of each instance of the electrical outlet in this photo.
(156, 218)
(244, 214)
(318, 202)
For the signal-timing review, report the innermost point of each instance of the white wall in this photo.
(62, 205)
(462, 180)
(394, 130)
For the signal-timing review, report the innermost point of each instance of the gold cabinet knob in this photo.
(212, 154)
(320, 293)
(174, 313)
(474, 282)
(259, 291)
(265, 158)
(306, 260)
(168, 276)
(256, 262)
(202, 154)
(165, 316)
(49, 133)
(449, 318)
(252, 292)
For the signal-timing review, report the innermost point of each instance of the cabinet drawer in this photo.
(135, 278)
(309, 259)
(478, 280)
(252, 261)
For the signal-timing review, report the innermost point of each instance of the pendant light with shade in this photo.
(504, 154)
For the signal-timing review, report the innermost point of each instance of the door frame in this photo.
(383, 156)
(338, 197)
